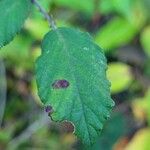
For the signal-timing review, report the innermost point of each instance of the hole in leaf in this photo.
(68, 127)
(60, 84)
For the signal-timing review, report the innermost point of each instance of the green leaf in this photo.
(18, 52)
(110, 133)
(71, 77)
(82, 5)
(145, 40)
(33, 26)
(141, 107)
(122, 7)
(140, 141)
(115, 73)
(115, 33)
(12, 16)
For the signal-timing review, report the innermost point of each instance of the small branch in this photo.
(27, 133)
(48, 17)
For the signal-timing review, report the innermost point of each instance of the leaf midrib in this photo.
(62, 39)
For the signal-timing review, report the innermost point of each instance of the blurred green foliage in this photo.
(122, 29)
(120, 76)
(125, 33)
(145, 38)
(140, 140)
(141, 107)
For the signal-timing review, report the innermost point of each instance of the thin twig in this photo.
(48, 17)
(27, 133)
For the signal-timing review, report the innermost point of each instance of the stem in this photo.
(28, 132)
(48, 17)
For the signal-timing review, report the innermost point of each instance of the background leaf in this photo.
(84, 98)
(140, 140)
(115, 33)
(141, 107)
(18, 50)
(12, 16)
(115, 73)
(111, 132)
(119, 6)
(145, 40)
(83, 6)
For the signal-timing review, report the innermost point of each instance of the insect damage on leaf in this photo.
(60, 84)
(49, 109)
(73, 81)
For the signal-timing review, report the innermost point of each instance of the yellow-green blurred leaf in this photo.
(115, 33)
(120, 76)
(138, 15)
(37, 27)
(85, 6)
(141, 107)
(18, 52)
(145, 40)
(140, 141)
(122, 7)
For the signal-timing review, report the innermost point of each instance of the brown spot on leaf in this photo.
(60, 84)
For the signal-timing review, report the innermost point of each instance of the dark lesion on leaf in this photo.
(60, 84)
(49, 109)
